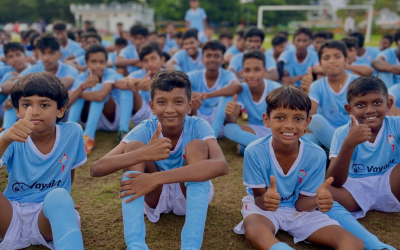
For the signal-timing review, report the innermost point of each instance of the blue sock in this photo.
(58, 207)
(348, 222)
(133, 217)
(322, 130)
(95, 111)
(311, 137)
(387, 78)
(219, 117)
(196, 214)
(281, 246)
(126, 108)
(235, 133)
(10, 117)
(3, 97)
(75, 110)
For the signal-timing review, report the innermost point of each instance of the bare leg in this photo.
(394, 181)
(6, 213)
(260, 231)
(344, 198)
(336, 237)
(109, 109)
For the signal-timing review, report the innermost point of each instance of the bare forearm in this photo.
(73, 96)
(259, 201)
(273, 75)
(306, 204)
(94, 96)
(170, 64)
(361, 70)
(67, 81)
(123, 62)
(3, 146)
(287, 80)
(381, 65)
(339, 168)
(230, 90)
(7, 86)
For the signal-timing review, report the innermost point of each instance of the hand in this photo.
(8, 104)
(91, 80)
(232, 109)
(358, 133)
(132, 84)
(21, 129)
(324, 197)
(145, 82)
(158, 148)
(139, 185)
(204, 96)
(307, 80)
(196, 101)
(395, 70)
(272, 198)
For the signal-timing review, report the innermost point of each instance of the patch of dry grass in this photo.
(102, 218)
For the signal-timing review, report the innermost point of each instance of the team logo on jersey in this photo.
(391, 141)
(302, 175)
(358, 168)
(63, 161)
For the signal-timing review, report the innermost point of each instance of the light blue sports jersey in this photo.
(111, 59)
(71, 47)
(236, 63)
(196, 18)
(106, 43)
(369, 55)
(255, 110)
(330, 103)
(199, 84)
(80, 60)
(139, 75)
(304, 177)
(233, 50)
(390, 56)
(32, 175)
(64, 70)
(292, 65)
(130, 52)
(395, 92)
(171, 42)
(5, 78)
(4, 70)
(79, 52)
(371, 159)
(193, 128)
(186, 62)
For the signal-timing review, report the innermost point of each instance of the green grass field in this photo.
(100, 209)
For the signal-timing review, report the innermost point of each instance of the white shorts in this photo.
(373, 193)
(260, 130)
(105, 125)
(23, 230)
(299, 224)
(210, 119)
(171, 200)
(143, 113)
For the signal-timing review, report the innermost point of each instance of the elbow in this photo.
(369, 72)
(223, 170)
(95, 170)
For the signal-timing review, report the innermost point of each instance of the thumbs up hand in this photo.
(272, 198)
(358, 133)
(324, 197)
(232, 110)
(91, 80)
(307, 80)
(21, 129)
(158, 148)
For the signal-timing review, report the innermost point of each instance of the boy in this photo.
(361, 70)
(128, 58)
(328, 94)
(91, 96)
(365, 155)
(386, 42)
(120, 44)
(293, 64)
(135, 94)
(49, 55)
(170, 36)
(278, 47)
(79, 62)
(41, 155)
(284, 176)
(68, 46)
(212, 78)
(168, 161)
(387, 63)
(225, 38)
(236, 48)
(365, 56)
(318, 39)
(196, 17)
(189, 58)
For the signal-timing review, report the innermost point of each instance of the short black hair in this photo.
(284, 33)
(139, 29)
(121, 41)
(329, 35)
(42, 84)
(91, 29)
(320, 34)
(254, 32)
(47, 40)
(255, 53)
(191, 33)
(365, 85)
(13, 46)
(288, 97)
(59, 25)
(178, 34)
(278, 40)
(94, 48)
(333, 44)
(214, 45)
(351, 42)
(71, 35)
(91, 34)
(148, 48)
(166, 56)
(33, 39)
(28, 33)
(389, 37)
(162, 35)
(303, 30)
(397, 36)
(167, 80)
(120, 24)
(225, 35)
(360, 38)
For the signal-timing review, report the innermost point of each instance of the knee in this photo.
(133, 145)
(196, 149)
(57, 199)
(252, 231)
(351, 242)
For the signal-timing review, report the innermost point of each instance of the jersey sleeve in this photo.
(313, 180)
(81, 154)
(28, 71)
(187, 16)
(284, 57)
(5, 78)
(229, 77)
(337, 142)
(394, 91)
(193, 80)
(252, 174)
(140, 133)
(203, 14)
(315, 93)
(235, 63)
(270, 62)
(71, 72)
(6, 157)
(178, 57)
(387, 54)
(78, 81)
(129, 52)
(315, 60)
(202, 130)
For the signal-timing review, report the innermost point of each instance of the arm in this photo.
(287, 80)
(227, 58)
(170, 64)
(123, 62)
(233, 88)
(187, 25)
(314, 108)
(273, 75)
(70, 57)
(267, 199)
(306, 203)
(67, 81)
(259, 196)
(8, 85)
(362, 70)
(381, 65)
(97, 96)
(75, 64)
(72, 176)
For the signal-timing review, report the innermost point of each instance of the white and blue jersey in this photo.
(371, 159)
(171, 42)
(106, 43)
(193, 128)
(394, 91)
(199, 84)
(79, 52)
(236, 63)
(331, 103)
(390, 56)
(304, 177)
(130, 52)
(366, 59)
(80, 60)
(111, 59)
(294, 67)
(69, 49)
(4, 70)
(255, 110)
(63, 70)
(186, 62)
(32, 175)
(233, 50)
(143, 93)
(196, 18)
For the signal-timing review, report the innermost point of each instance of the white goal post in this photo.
(368, 8)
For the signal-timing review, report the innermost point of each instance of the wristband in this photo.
(82, 88)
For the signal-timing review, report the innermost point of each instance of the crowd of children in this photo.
(182, 92)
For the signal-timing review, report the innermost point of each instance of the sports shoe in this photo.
(89, 144)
